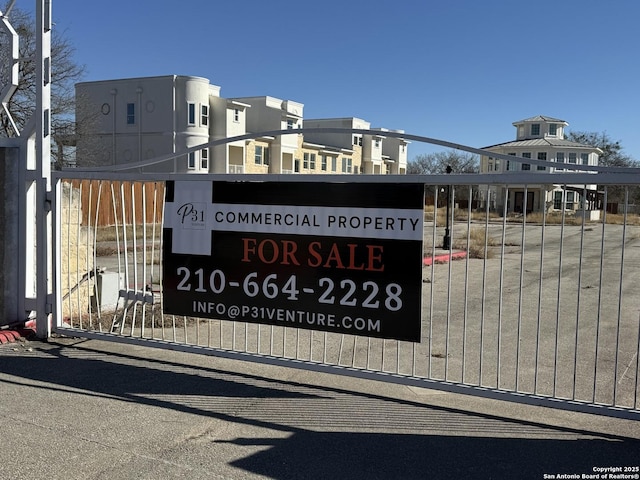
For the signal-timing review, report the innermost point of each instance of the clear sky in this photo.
(456, 70)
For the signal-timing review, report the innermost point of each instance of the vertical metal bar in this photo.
(57, 252)
(484, 285)
(324, 355)
(134, 234)
(450, 199)
(353, 357)
(559, 295)
(466, 286)
(521, 286)
(340, 349)
(599, 308)
(88, 267)
(78, 276)
(69, 285)
(160, 276)
(272, 330)
(578, 293)
(115, 222)
(622, 248)
(95, 256)
(539, 315)
(42, 166)
(259, 339)
(153, 255)
(501, 283)
(635, 388)
(144, 256)
(433, 279)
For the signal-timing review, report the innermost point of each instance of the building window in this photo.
(542, 156)
(262, 155)
(584, 157)
(570, 199)
(191, 162)
(290, 124)
(553, 129)
(376, 143)
(535, 129)
(526, 166)
(305, 161)
(557, 200)
(131, 113)
(312, 161)
(323, 165)
(347, 165)
(204, 115)
(204, 159)
(191, 113)
(572, 158)
(296, 165)
(236, 115)
(560, 157)
(334, 164)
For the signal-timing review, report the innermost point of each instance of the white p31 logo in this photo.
(192, 215)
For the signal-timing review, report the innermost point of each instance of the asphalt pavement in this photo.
(88, 409)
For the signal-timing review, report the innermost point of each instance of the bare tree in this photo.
(450, 161)
(435, 163)
(65, 72)
(613, 155)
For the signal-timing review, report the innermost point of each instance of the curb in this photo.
(443, 258)
(13, 335)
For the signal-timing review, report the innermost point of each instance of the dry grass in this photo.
(476, 246)
(459, 215)
(110, 233)
(552, 218)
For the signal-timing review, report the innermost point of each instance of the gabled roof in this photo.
(544, 142)
(540, 118)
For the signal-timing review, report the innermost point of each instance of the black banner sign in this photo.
(334, 257)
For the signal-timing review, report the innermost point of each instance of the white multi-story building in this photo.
(136, 119)
(139, 119)
(540, 138)
(371, 154)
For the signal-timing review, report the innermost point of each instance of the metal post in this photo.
(446, 241)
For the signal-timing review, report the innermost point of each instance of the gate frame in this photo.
(607, 178)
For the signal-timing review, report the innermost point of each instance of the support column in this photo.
(10, 236)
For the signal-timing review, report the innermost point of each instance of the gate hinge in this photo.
(48, 306)
(48, 201)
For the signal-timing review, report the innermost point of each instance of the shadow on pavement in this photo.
(375, 437)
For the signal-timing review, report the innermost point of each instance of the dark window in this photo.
(131, 113)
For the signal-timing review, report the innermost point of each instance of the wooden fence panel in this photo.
(103, 201)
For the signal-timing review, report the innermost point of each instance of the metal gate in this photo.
(536, 308)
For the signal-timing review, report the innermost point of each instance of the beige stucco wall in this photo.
(76, 250)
